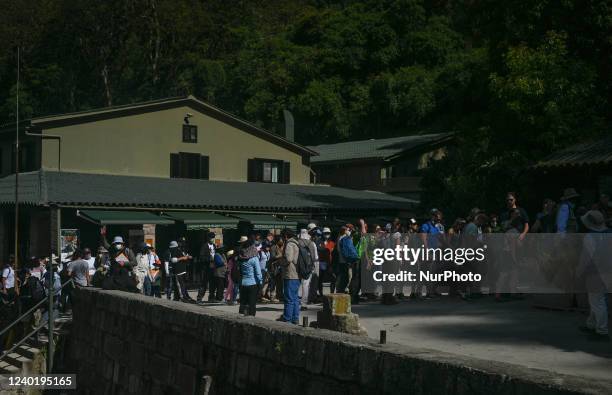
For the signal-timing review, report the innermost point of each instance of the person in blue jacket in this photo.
(251, 278)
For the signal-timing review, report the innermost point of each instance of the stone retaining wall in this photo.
(126, 343)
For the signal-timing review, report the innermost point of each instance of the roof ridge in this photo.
(384, 139)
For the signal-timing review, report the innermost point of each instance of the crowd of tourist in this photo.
(293, 267)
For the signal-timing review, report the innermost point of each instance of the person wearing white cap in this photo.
(178, 261)
(147, 263)
(594, 266)
(118, 253)
(325, 251)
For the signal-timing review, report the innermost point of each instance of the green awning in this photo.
(300, 219)
(266, 221)
(123, 217)
(197, 220)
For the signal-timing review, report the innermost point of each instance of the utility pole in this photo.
(17, 168)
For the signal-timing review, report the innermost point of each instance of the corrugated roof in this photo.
(598, 152)
(373, 148)
(92, 190)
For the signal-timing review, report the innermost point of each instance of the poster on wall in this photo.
(70, 242)
(149, 234)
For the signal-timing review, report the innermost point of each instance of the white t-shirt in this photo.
(8, 274)
(91, 262)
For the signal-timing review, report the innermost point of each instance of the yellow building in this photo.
(179, 164)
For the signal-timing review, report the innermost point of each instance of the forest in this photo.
(515, 80)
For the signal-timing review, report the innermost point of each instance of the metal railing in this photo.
(49, 320)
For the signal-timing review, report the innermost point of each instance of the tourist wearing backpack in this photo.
(307, 266)
(291, 279)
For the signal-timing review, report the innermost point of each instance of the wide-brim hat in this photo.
(326, 230)
(311, 226)
(242, 239)
(594, 220)
(569, 193)
(173, 244)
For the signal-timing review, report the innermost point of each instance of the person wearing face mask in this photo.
(102, 259)
(122, 260)
(178, 260)
(118, 253)
(206, 279)
(325, 248)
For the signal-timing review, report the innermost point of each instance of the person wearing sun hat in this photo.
(595, 265)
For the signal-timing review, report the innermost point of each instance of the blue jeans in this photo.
(146, 286)
(291, 310)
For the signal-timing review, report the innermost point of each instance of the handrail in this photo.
(26, 337)
(18, 320)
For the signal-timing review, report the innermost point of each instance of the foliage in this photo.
(515, 80)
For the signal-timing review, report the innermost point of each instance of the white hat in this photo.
(242, 239)
(117, 240)
(173, 244)
(412, 221)
(148, 245)
(594, 220)
(304, 234)
(311, 226)
(326, 230)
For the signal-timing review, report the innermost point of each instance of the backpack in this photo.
(236, 272)
(304, 264)
(37, 290)
(219, 262)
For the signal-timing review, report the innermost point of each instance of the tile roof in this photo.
(598, 152)
(374, 148)
(92, 190)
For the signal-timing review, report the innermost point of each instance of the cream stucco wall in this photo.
(140, 145)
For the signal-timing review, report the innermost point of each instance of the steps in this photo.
(28, 358)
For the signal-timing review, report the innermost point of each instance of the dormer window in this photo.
(190, 134)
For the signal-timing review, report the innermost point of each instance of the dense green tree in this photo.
(515, 79)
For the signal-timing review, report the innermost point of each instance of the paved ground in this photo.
(512, 332)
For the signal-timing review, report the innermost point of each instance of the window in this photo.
(190, 134)
(268, 170)
(189, 165)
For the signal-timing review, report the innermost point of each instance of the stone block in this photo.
(337, 303)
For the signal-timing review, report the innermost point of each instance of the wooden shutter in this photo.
(204, 167)
(252, 170)
(286, 173)
(175, 166)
